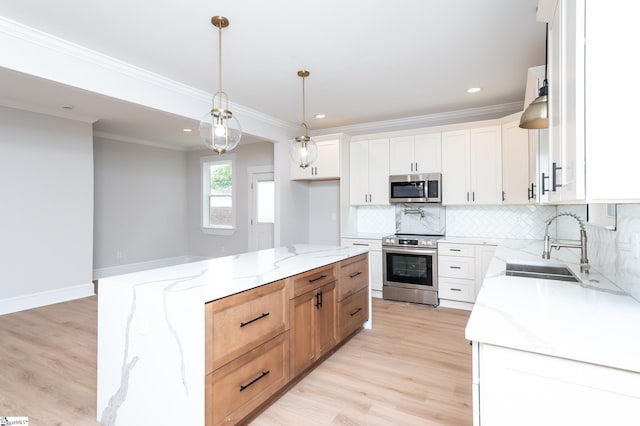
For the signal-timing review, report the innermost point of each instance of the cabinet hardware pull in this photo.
(264, 314)
(411, 166)
(531, 192)
(355, 274)
(416, 166)
(360, 244)
(456, 289)
(455, 267)
(554, 183)
(355, 312)
(264, 373)
(321, 299)
(503, 195)
(318, 303)
(454, 250)
(543, 189)
(318, 278)
(473, 196)
(467, 196)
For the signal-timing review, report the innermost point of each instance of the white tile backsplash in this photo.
(376, 219)
(518, 222)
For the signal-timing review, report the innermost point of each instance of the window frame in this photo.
(205, 179)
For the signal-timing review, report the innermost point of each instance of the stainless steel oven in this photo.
(410, 268)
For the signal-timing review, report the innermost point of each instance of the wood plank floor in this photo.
(413, 368)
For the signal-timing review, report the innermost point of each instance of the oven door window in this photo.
(410, 268)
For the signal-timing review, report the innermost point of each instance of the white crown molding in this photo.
(120, 138)
(430, 120)
(194, 97)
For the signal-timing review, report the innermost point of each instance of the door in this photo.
(261, 210)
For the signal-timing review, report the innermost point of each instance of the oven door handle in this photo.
(410, 250)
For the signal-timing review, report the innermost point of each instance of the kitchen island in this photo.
(152, 326)
(553, 352)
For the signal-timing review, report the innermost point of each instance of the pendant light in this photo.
(536, 116)
(303, 150)
(219, 129)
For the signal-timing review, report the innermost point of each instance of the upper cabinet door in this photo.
(401, 155)
(455, 167)
(516, 186)
(428, 153)
(359, 173)
(379, 171)
(327, 166)
(486, 165)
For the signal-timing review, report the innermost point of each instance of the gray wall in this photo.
(140, 203)
(324, 212)
(204, 245)
(46, 204)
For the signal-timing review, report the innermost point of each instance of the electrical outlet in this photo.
(118, 254)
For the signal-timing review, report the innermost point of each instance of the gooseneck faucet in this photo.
(584, 262)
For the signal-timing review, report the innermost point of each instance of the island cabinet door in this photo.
(238, 388)
(313, 326)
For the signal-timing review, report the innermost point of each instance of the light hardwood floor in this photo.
(413, 368)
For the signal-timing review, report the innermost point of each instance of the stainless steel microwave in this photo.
(418, 188)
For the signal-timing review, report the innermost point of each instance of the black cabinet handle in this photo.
(318, 303)
(503, 195)
(543, 189)
(313, 280)
(554, 183)
(264, 373)
(455, 267)
(355, 274)
(355, 312)
(456, 289)
(264, 314)
(531, 192)
(360, 244)
(454, 250)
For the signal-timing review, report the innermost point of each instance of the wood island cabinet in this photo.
(260, 341)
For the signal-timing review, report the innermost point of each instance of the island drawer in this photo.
(312, 279)
(239, 323)
(456, 267)
(353, 276)
(457, 289)
(239, 387)
(352, 313)
(459, 250)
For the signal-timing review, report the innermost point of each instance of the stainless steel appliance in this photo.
(410, 268)
(418, 188)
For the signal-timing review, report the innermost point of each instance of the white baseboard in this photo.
(36, 300)
(444, 303)
(142, 266)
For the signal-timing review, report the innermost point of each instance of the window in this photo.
(218, 198)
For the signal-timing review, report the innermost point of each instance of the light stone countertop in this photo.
(592, 321)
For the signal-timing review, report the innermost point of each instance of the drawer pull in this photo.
(455, 250)
(360, 244)
(355, 312)
(455, 267)
(265, 314)
(243, 387)
(355, 274)
(318, 278)
(455, 289)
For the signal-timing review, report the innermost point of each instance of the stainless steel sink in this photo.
(545, 272)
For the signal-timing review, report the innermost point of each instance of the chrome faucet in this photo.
(548, 245)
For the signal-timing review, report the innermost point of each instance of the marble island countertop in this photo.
(592, 321)
(215, 278)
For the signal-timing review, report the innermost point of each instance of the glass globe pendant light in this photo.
(219, 130)
(302, 149)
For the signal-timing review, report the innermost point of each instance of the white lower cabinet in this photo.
(375, 261)
(524, 388)
(461, 270)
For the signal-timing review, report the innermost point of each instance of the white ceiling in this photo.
(370, 60)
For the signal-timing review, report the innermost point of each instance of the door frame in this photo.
(250, 172)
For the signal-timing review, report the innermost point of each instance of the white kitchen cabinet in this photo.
(472, 166)
(415, 154)
(593, 150)
(369, 172)
(516, 173)
(327, 166)
(461, 270)
(525, 388)
(375, 261)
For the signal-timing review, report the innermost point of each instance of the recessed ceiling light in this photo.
(473, 90)
(320, 116)
(187, 130)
